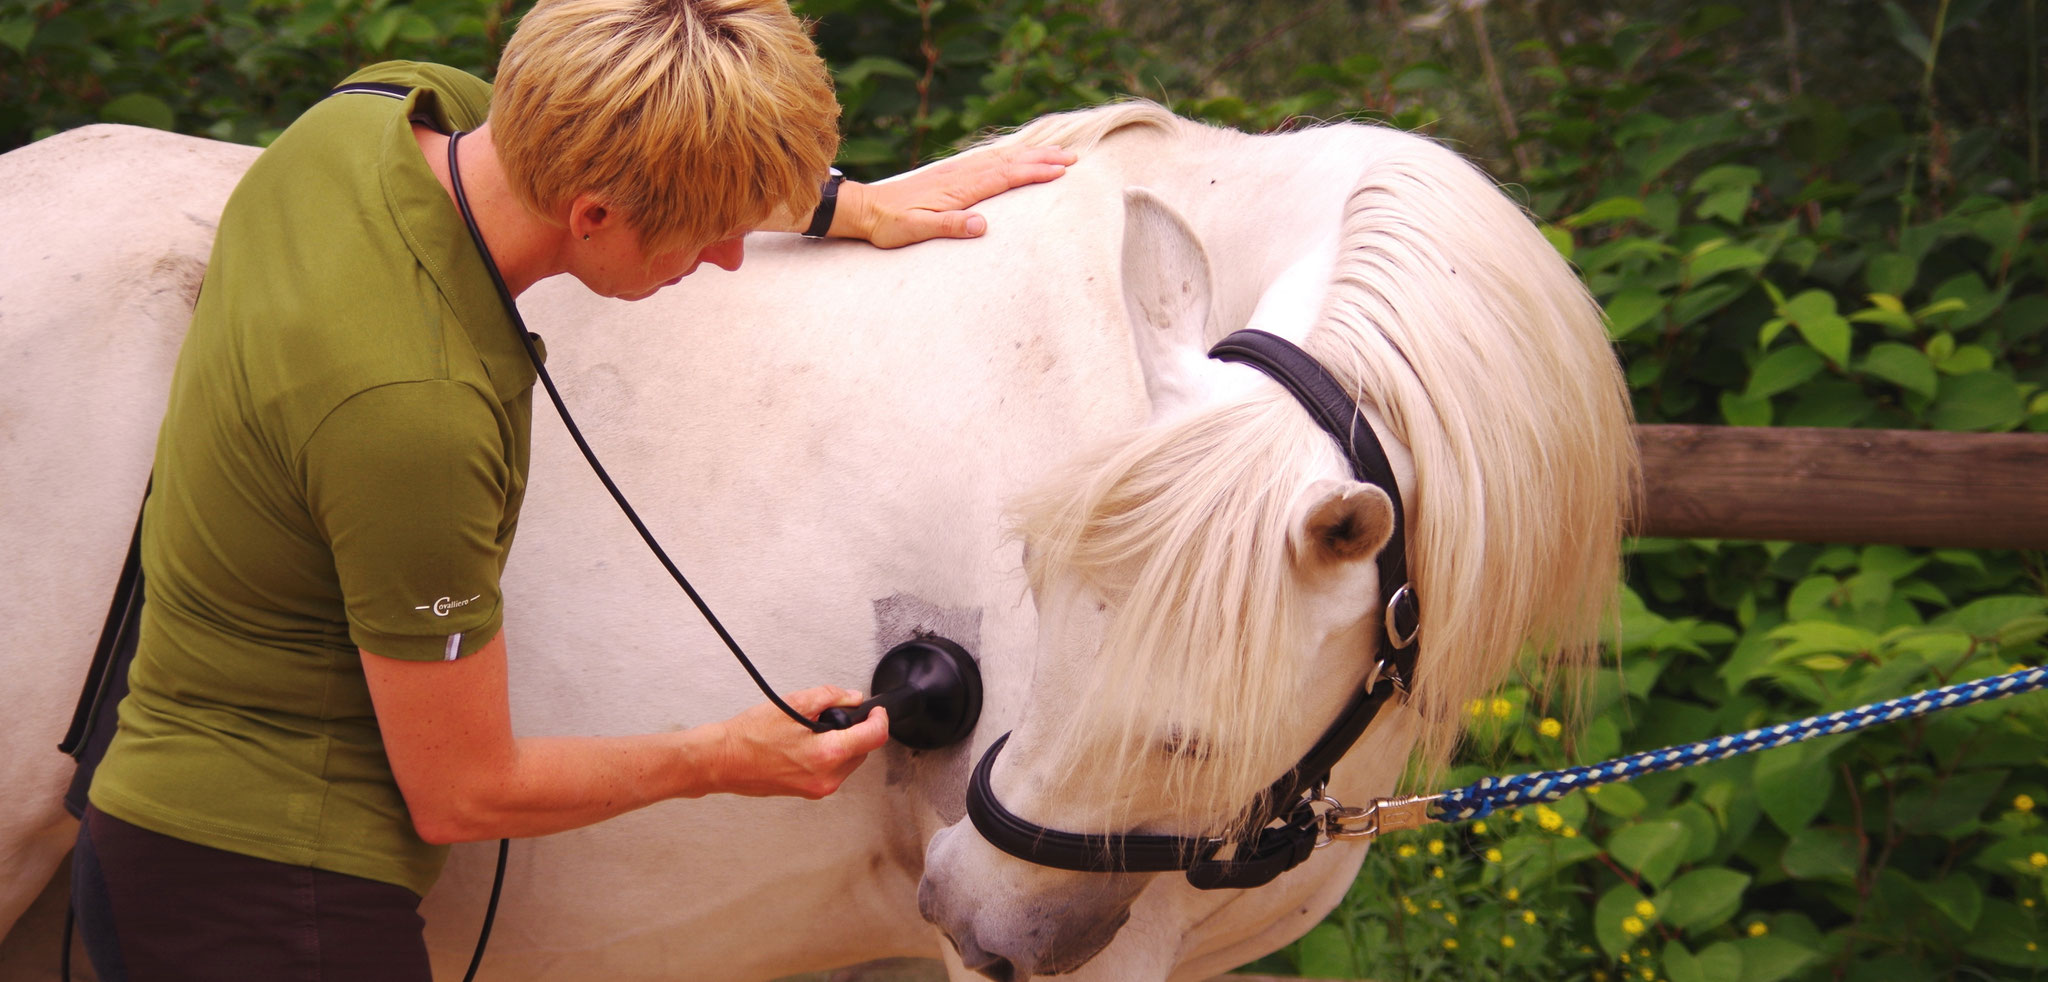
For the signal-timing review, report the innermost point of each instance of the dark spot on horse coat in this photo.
(939, 775)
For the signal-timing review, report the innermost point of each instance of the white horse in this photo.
(847, 447)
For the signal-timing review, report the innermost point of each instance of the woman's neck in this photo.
(526, 249)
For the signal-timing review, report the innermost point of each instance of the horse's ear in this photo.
(1166, 298)
(1347, 521)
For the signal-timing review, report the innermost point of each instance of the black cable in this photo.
(490, 912)
(576, 433)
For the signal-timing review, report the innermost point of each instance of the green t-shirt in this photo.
(340, 467)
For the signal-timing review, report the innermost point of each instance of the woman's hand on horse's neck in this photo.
(526, 249)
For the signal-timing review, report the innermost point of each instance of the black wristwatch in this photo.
(828, 202)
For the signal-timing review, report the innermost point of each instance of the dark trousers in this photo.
(153, 908)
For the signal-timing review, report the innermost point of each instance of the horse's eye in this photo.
(1180, 743)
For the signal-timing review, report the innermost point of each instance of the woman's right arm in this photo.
(447, 729)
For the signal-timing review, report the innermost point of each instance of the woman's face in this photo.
(614, 264)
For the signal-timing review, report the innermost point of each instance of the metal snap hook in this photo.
(1403, 617)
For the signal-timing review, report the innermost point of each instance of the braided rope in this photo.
(1480, 799)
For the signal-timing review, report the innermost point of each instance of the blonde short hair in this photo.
(695, 118)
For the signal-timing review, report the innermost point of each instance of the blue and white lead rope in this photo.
(1480, 799)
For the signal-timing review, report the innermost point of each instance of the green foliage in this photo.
(1840, 227)
(1810, 261)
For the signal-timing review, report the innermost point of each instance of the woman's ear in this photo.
(587, 216)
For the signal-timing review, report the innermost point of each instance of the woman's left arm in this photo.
(932, 202)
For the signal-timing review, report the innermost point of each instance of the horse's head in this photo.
(1207, 593)
(1206, 606)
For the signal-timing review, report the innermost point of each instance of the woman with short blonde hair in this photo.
(318, 698)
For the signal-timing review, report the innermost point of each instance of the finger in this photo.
(812, 701)
(951, 224)
(1045, 155)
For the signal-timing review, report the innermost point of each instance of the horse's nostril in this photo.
(999, 970)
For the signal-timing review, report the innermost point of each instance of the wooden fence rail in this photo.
(1905, 487)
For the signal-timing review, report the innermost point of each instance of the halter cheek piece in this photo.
(1299, 816)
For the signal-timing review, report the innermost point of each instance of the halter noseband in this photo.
(1281, 845)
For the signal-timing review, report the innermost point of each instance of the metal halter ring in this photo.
(1402, 606)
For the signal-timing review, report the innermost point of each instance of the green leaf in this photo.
(1606, 211)
(1717, 261)
(1771, 958)
(377, 29)
(1728, 205)
(1907, 33)
(1616, 906)
(139, 109)
(1630, 309)
(1815, 853)
(2009, 935)
(1702, 899)
(1652, 849)
(1680, 965)
(1727, 176)
(868, 67)
(1966, 359)
(1741, 411)
(1325, 953)
(1781, 370)
(1902, 366)
(1988, 401)
(1561, 240)
(1812, 637)
(1984, 618)
(1891, 272)
(1721, 962)
(1828, 335)
(1955, 895)
(17, 32)
(1618, 800)
(1792, 787)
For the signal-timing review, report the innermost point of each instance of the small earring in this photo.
(586, 236)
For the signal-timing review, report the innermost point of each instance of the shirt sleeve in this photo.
(409, 483)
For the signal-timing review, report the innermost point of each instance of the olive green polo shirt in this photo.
(340, 467)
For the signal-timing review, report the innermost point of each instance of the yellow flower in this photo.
(2033, 947)
(1548, 818)
(1649, 975)
(1632, 926)
(1528, 917)
(1625, 959)
(1450, 944)
(2023, 803)
(1570, 833)
(1408, 905)
(1436, 905)
(1436, 847)
(1507, 940)
(1513, 894)
(1478, 828)
(1493, 855)
(1451, 919)
(1438, 872)
(1598, 976)
(1515, 815)
(1758, 929)
(1502, 709)
(1406, 851)
(1476, 708)
(1645, 908)
(1550, 727)
(2026, 901)
(2038, 860)
(1642, 952)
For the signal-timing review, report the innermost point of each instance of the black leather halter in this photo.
(1295, 824)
